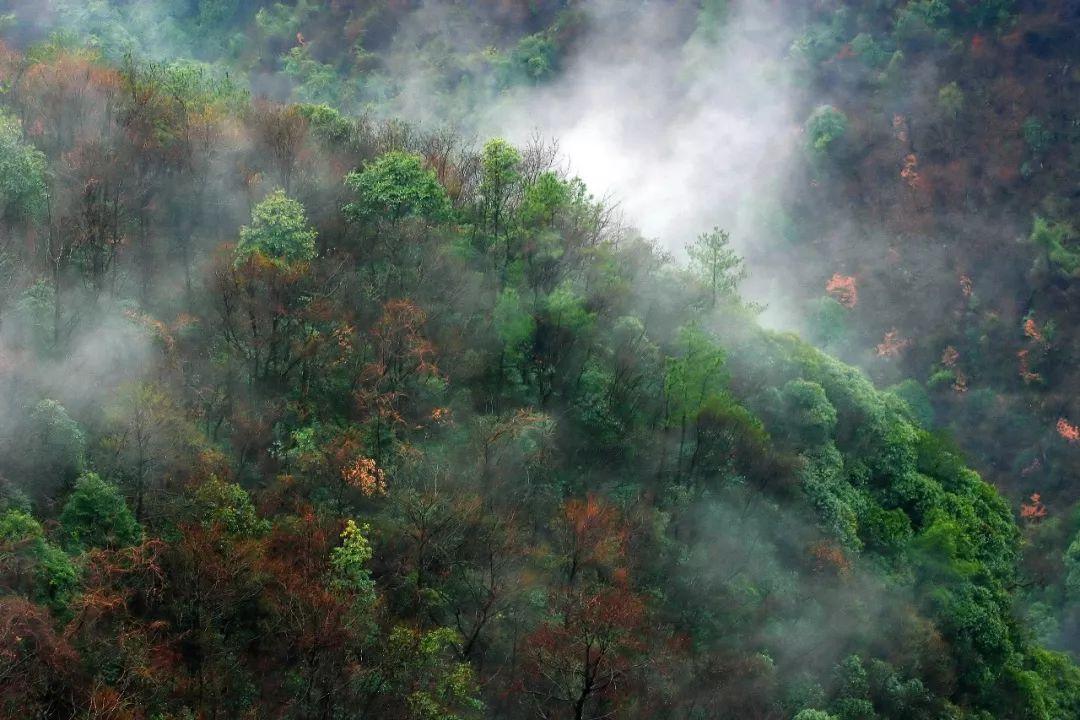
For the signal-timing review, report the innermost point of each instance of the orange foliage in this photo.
(950, 357)
(900, 127)
(960, 382)
(1031, 330)
(910, 171)
(402, 352)
(1068, 431)
(32, 656)
(892, 344)
(402, 347)
(594, 533)
(364, 475)
(842, 288)
(830, 559)
(594, 651)
(163, 333)
(1035, 511)
(966, 286)
(1025, 369)
(68, 97)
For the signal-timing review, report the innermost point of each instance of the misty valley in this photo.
(539, 359)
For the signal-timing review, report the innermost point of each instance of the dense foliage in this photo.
(312, 415)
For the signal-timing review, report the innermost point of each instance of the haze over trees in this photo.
(312, 410)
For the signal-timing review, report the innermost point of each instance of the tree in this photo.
(52, 450)
(23, 191)
(1072, 569)
(150, 437)
(591, 539)
(33, 566)
(394, 187)
(422, 670)
(398, 199)
(718, 266)
(950, 100)
(279, 231)
(590, 655)
(692, 379)
(825, 130)
(814, 715)
(804, 414)
(265, 306)
(97, 516)
(280, 132)
(229, 506)
(499, 179)
(37, 663)
(403, 354)
(349, 562)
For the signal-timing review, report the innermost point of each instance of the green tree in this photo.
(52, 575)
(515, 326)
(422, 667)
(97, 516)
(500, 176)
(52, 449)
(533, 60)
(825, 130)
(1072, 569)
(1038, 137)
(1058, 240)
(23, 191)
(394, 187)
(806, 413)
(718, 266)
(693, 378)
(814, 715)
(349, 562)
(228, 505)
(950, 100)
(279, 232)
(923, 22)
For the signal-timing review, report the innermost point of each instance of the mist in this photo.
(355, 418)
(684, 135)
(683, 127)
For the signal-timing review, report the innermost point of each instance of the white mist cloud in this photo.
(684, 136)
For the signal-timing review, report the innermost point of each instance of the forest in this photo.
(539, 359)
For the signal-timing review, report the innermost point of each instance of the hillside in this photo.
(318, 402)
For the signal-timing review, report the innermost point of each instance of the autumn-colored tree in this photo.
(38, 667)
(403, 356)
(843, 289)
(1034, 510)
(261, 306)
(592, 538)
(280, 132)
(1069, 432)
(585, 660)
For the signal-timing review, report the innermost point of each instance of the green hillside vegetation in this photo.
(311, 411)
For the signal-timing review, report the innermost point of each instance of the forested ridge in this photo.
(317, 403)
